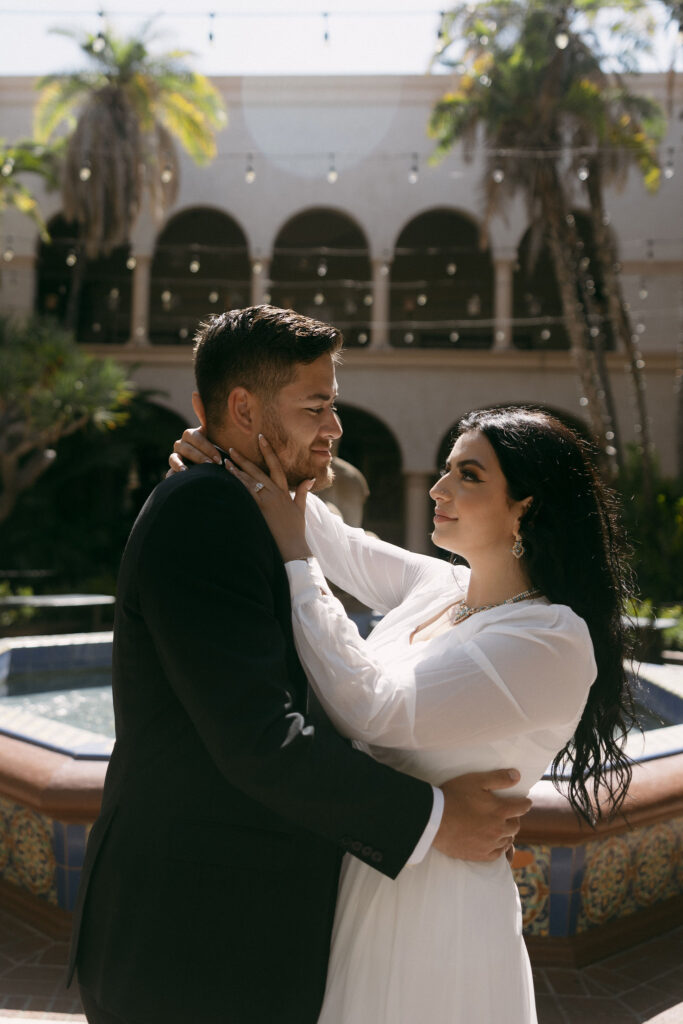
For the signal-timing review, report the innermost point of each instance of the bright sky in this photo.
(250, 36)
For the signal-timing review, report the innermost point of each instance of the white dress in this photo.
(442, 943)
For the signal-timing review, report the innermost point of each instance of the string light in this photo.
(322, 269)
(213, 298)
(257, 266)
(167, 175)
(326, 27)
(498, 175)
(583, 172)
(409, 338)
(642, 288)
(195, 266)
(332, 174)
(250, 173)
(318, 298)
(131, 263)
(212, 19)
(669, 169)
(454, 337)
(71, 259)
(422, 299)
(562, 40)
(85, 173)
(414, 173)
(451, 269)
(7, 167)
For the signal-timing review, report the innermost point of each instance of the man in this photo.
(210, 880)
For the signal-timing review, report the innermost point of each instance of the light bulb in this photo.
(99, 43)
(166, 297)
(194, 266)
(322, 269)
(85, 173)
(7, 167)
(409, 338)
(131, 263)
(257, 266)
(71, 259)
(422, 300)
(213, 297)
(332, 175)
(582, 173)
(668, 172)
(362, 338)
(166, 175)
(318, 298)
(498, 175)
(250, 175)
(562, 40)
(454, 336)
(8, 254)
(545, 334)
(367, 300)
(451, 269)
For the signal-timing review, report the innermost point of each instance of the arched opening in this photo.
(91, 496)
(200, 266)
(441, 284)
(371, 447)
(91, 297)
(321, 268)
(537, 307)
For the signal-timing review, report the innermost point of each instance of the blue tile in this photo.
(75, 845)
(61, 875)
(73, 879)
(59, 842)
(561, 864)
(574, 909)
(559, 914)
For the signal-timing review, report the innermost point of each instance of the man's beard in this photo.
(298, 464)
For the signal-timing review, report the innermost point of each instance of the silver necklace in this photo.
(465, 610)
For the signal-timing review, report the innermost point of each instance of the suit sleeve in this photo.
(206, 575)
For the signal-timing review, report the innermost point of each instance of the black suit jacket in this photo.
(210, 879)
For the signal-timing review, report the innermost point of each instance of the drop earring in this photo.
(518, 547)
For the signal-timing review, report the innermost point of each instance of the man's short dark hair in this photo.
(257, 348)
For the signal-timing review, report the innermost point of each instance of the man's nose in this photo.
(333, 427)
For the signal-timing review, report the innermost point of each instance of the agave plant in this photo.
(123, 116)
(534, 88)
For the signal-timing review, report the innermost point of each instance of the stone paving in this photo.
(643, 985)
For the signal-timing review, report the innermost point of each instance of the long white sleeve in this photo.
(528, 668)
(379, 574)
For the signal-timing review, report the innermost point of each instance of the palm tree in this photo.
(553, 121)
(25, 157)
(124, 115)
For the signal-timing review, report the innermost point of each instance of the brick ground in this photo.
(641, 986)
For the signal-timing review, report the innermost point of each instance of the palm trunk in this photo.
(552, 206)
(620, 319)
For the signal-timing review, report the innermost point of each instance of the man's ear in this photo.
(244, 410)
(199, 410)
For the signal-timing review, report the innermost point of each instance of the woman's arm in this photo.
(513, 677)
(379, 574)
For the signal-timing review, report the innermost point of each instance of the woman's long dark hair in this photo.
(575, 554)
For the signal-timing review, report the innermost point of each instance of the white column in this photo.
(141, 299)
(503, 276)
(417, 510)
(379, 328)
(260, 281)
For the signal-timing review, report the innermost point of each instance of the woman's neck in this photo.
(496, 584)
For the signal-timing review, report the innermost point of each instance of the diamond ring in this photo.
(258, 487)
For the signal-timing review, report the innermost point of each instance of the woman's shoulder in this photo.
(544, 614)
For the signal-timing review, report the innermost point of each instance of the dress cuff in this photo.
(306, 580)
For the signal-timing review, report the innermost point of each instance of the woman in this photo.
(516, 660)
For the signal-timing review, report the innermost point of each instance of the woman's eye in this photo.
(467, 474)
